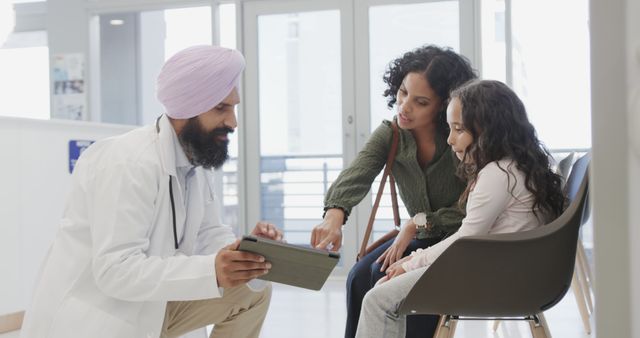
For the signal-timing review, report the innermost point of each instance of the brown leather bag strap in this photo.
(394, 202)
(387, 173)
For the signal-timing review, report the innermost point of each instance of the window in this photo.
(551, 71)
(133, 48)
(24, 65)
(394, 30)
(493, 40)
(300, 116)
(229, 173)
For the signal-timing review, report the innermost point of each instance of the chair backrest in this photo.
(574, 180)
(513, 274)
(564, 166)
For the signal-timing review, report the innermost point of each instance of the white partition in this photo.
(34, 183)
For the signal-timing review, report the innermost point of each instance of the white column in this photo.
(610, 185)
(633, 71)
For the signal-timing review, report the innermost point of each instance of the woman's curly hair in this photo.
(497, 120)
(443, 69)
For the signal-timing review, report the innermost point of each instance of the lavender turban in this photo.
(197, 79)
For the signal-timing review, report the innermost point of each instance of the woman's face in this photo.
(459, 139)
(418, 105)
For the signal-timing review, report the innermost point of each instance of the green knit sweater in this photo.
(434, 190)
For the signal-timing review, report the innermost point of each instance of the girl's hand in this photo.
(393, 271)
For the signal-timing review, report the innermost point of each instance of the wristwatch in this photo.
(422, 225)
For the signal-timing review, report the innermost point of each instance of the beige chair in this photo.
(504, 276)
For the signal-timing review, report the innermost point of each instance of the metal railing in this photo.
(292, 190)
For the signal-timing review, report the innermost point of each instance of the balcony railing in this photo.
(292, 190)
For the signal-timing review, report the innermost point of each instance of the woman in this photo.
(510, 188)
(419, 84)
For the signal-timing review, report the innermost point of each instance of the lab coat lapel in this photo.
(167, 153)
(195, 212)
(167, 145)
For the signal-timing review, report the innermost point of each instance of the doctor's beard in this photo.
(202, 147)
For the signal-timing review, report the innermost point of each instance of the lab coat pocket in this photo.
(76, 318)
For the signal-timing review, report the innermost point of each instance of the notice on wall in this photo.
(76, 147)
(69, 94)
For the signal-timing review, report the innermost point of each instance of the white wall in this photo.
(34, 181)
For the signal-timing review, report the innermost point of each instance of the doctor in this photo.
(140, 250)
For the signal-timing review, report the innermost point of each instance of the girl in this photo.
(510, 188)
(418, 85)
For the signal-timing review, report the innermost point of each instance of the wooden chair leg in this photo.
(585, 263)
(496, 323)
(539, 329)
(585, 274)
(584, 284)
(576, 286)
(543, 323)
(453, 324)
(444, 329)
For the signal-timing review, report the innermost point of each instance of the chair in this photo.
(564, 166)
(504, 276)
(581, 282)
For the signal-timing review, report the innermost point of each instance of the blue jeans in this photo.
(364, 275)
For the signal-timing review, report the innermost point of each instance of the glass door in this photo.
(393, 28)
(299, 97)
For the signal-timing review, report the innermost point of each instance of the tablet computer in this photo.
(292, 264)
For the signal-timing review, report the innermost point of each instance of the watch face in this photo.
(420, 219)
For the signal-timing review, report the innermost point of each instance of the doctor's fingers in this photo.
(233, 246)
(279, 234)
(268, 230)
(247, 266)
(247, 275)
(241, 256)
(226, 260)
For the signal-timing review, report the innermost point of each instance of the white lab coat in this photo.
(113, 267)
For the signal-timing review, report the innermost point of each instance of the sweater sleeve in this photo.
(445, 220)
(354, 182)
(489, 198)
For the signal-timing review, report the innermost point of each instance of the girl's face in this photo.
(459, 139)
(417, 103)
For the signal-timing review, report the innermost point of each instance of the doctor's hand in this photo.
(267, 230)
(328, 234)
(235, 267)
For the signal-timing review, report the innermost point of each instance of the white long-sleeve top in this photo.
(498, 203)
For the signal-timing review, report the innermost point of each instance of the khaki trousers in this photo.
(239, 313)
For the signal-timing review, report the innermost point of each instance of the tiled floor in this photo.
(298, 313)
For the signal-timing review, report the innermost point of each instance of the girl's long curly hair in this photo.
(496, 118)
(443, 68)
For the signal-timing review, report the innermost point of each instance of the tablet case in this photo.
(292, 264)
